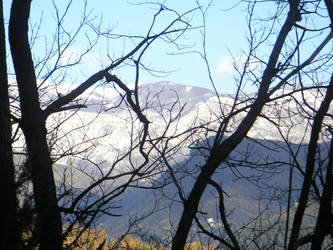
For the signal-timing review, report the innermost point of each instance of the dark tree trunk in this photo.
(33, 125)
(310, 165)
(221, 152)
(324, 220)
(8, 211)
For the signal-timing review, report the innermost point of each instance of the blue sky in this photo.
(225, 31)
(225, 34)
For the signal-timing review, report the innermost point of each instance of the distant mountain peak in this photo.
(165, 83)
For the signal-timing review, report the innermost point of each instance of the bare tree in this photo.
(33, 125)
(58, 206)
(283, 69)
(9, 228)
(149, 160)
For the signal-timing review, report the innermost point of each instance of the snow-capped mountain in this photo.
(106, 111)
(108, 129)
(93, 139)
(108, 118)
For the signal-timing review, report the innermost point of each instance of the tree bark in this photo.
(49, 223)
(9, 229)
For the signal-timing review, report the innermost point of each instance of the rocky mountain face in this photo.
(107, 129)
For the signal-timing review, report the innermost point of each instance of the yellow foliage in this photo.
(130, 243)
(92, 239)
(89, 240)
(196, 246)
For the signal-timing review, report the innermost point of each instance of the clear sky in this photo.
(225, 31)
(225, 34)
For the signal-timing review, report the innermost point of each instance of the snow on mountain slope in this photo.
(107, 129)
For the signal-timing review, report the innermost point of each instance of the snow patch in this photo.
(211, 222)
(188, 88)
(167, 84)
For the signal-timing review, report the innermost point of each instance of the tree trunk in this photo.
(310, 166)
(325, 210)
(33, 125)
(221, 152)
(9, 230)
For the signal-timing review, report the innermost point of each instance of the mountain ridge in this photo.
(115, 126)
